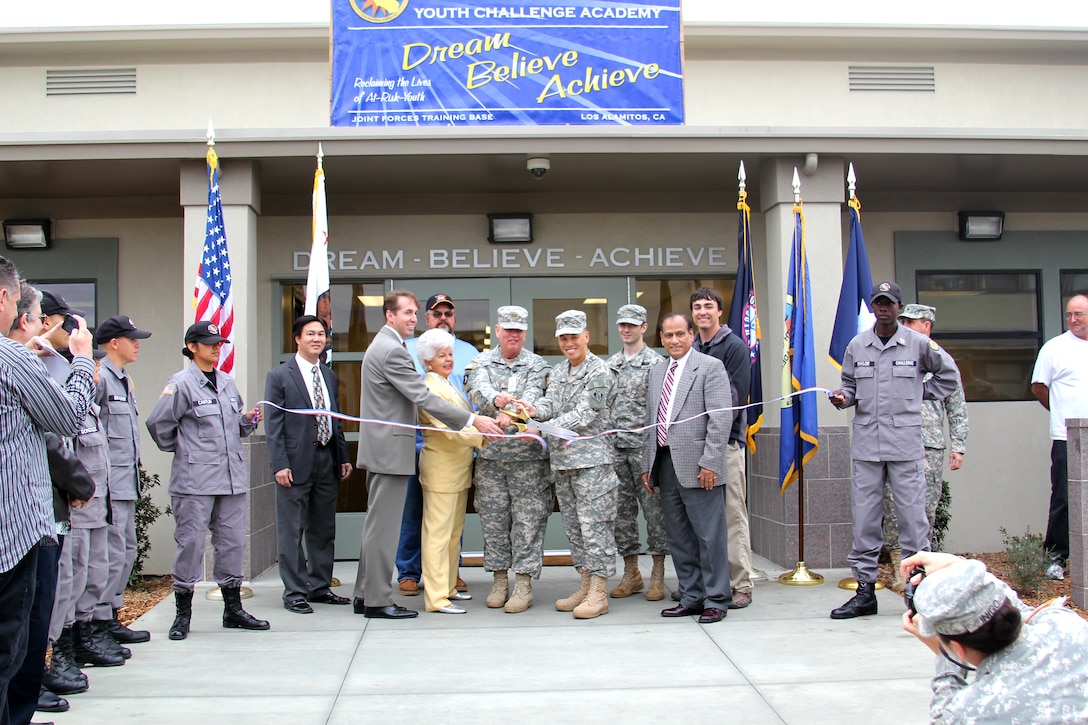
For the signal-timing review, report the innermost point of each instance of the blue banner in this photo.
(451, 63)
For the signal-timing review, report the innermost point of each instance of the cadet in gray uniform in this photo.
(201, 419)
(580, 393)
(81, 603)
(920, 318)
(120, 338)
(514, 494)
(884, 375)
(632, 370)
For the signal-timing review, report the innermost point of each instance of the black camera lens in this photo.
(908, 592)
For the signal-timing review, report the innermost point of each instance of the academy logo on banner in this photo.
(442, 63)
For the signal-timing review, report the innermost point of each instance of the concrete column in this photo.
(240, 190)
(1078, 509)
(827, 477)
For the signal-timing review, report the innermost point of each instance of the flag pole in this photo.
(801, 576)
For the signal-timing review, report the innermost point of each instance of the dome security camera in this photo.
(538, 166)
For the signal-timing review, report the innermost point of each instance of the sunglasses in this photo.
(442, 313)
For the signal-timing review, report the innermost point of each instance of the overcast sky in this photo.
(969, 13)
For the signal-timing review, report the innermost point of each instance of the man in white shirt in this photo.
(1060, 383)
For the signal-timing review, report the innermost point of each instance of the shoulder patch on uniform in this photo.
(170, 389)
(934, 346)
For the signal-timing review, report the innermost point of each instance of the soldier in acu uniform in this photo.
(580, 394)
(920, 318)
(201, 419)
(632, 371)
(884, 375)
(514, 493)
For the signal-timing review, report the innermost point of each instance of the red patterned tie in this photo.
(663, 405)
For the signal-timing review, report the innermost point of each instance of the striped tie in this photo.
(323, 432)
(663, 405)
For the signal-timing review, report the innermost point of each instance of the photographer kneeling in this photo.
(1031, 665)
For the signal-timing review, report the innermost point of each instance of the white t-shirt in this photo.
(1063, 367)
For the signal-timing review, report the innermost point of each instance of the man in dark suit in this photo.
(391, 391)
(685, 463)
(309, 457)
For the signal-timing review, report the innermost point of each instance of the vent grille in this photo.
(90, 82)
(893, 78)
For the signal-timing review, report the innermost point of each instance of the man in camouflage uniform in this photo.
(513, 484)
(579, 397)
(632, 371)
(920, 318)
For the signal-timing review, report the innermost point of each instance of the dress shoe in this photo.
(298, 606)
(711, 615)
(451, 609)
(329, 598)
(740, 599)
(459, 597)
(49, 701)
(860, 605)
(390, 611)
(681, 611)
(409, 587)
(358, 605)
(461, 586)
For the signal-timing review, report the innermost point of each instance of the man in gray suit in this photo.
(391, 391)
(685, 462)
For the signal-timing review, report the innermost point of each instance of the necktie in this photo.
(323, 431)
(663, 405)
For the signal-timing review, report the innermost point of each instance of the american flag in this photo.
(212, 297)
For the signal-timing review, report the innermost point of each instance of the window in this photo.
(660, 296)
(1073, 282)
(990, 323)
(80, 295)
(543, 320)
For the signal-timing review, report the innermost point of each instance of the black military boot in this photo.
(90, 647)
(860, 605)
(62, 661)
(234, 617)
(124, 635)
(49, 701)
(183, 604)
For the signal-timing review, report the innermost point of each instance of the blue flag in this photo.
(744, 319)
(855, 312)
(800, 429)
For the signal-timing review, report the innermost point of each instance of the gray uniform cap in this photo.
(571, 322)
(958, 599)
(512, 317)
(916, 311)
(632, 315)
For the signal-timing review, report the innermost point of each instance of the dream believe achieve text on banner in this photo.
(450, 63)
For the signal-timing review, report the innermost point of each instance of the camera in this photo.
(70, 324)
(538, 166)
(908, 592)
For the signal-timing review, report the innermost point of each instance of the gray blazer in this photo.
(700, 443)
(391, 390)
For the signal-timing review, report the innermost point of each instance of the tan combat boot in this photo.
(522, 598)
(656, 592)
(898, 583)
(500, 589)
(632, 578)
(568, 604)
(596, 603)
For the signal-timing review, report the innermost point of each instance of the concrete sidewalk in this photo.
(782, 660)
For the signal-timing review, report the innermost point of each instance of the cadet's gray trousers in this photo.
(81, 580)
(225, 517)
(908, 482)
(122, 549)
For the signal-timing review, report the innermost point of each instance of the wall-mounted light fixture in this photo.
(27, 234)
(509, 228)
(981, 225)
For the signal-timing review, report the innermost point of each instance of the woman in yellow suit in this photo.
(445, 474)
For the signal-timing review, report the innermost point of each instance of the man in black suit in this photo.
(309, 457)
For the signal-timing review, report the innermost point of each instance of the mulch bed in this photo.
(139, 599)
(998, 565)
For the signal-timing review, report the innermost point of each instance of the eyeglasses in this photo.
(442, 313)
(39, 318)
(1075, 315)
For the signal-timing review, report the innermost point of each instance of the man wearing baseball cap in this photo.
(884, 373)
(120, 338)
(55, 311)
(920, 318)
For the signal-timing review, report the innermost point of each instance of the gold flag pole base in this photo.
(215, 594)
(852, 584)
(335, 582)
(801, 576)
